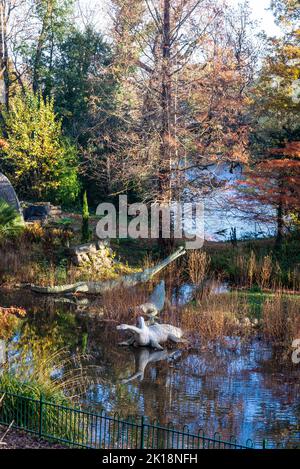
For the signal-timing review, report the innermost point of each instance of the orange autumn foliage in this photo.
(276, 180)
(8, 320)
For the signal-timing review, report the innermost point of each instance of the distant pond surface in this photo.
(222, 213)
(234, 388)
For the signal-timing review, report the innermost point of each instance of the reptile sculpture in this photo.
(151, 336)
(95, 288)
(156, 301)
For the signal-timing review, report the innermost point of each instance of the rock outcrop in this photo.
(95, 254)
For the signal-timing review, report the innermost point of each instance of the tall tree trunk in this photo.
(164, 179)
(280, 214)
(4, 65)
(37, 63)
(40, 46)
(164, 176)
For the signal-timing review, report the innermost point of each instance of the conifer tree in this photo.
(85, 219)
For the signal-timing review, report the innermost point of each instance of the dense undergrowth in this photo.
(40, 255)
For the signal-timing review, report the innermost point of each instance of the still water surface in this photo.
(234, 388)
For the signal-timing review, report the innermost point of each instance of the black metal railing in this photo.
(81, 428)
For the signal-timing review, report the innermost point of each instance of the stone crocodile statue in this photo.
(144, 356)
(151, 336)
(96, 288)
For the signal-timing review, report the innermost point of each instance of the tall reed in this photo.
(198, 266)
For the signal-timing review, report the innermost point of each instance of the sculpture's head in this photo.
(140, 322)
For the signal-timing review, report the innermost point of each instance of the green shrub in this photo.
(11, 222)
(22, 405)
(40, 161)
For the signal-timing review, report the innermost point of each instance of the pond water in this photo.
(185, 292)
(223, 210)
(236, 388)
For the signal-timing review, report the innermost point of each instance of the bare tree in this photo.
(183, 68)
(10, 25)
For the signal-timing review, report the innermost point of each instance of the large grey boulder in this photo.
(36, 212)
(41, 211)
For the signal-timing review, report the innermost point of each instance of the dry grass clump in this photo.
(214, 317)
(198, 266)
(15, 262)
(35, 257)
(251, 270)
(210, 324)
(120, 304)
(219, 316)
(56, 378)
(265, 272)
(58, 372)
(257, 263)
(25, 264)
(281, 320)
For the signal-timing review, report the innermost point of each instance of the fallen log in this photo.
(96, 288)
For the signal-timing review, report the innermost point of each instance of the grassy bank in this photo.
(257, 263)
(253, 264)
(40, 255)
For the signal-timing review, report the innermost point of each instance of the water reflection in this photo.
(184, 293)
(238, 389)
(144, 356)
(2, 352)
